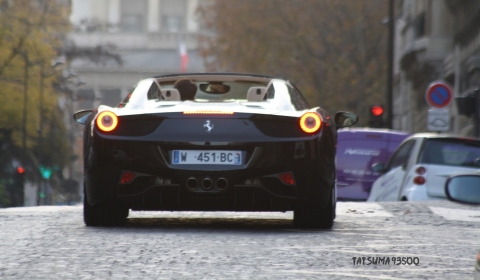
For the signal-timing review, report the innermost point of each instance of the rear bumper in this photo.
(255, 185)
(242, 190)
(240, 198)
(419, 193)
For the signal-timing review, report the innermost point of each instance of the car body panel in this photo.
(386, 187)
(437, 175)
(357, 150)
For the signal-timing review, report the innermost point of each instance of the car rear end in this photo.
(439, 159)
(212, 158)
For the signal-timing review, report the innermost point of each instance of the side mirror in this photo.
(345, 119)
(379, 167)
(463, 189)
(82, 116)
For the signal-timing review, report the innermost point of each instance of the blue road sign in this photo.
(438, 95)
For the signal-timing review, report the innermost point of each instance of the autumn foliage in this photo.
(334, 51)
(31, 32)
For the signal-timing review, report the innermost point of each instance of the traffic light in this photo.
(45, 171)
(19, 178)
(375, 118)
(20, 170)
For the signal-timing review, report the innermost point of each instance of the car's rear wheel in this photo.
(104, 214)
(311, 215)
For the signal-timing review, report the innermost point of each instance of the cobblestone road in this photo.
(53, 243)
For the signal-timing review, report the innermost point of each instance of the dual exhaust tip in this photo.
(207, 183)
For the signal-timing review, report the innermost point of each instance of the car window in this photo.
(153, 92)
(401, 155)
(453, 152)
(299, 102)
(238, 90)
(270, 91)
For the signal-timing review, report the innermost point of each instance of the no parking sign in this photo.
(438, 95)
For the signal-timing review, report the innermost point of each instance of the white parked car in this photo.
(421, 165)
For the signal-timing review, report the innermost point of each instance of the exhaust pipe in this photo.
(207, 184)
(192, 183)
(221, 184)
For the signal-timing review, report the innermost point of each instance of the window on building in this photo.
(111, 97)
(419, 25)
(85, 98)
(133, 15)
(173, 13)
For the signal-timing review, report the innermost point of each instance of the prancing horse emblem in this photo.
(208, 125)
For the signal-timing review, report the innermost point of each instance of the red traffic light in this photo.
(376, 110)
(20, 170)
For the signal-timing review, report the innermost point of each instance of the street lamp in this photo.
(45, 172)
(72, 83)
(391, 38)
(24, 125)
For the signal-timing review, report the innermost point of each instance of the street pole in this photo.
(476, 116)
(391, 35)
(24, 128)
(40, 140)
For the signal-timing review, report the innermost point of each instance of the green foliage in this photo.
(30, 34)
(335, 51)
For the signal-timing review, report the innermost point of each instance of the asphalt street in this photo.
(434, 240)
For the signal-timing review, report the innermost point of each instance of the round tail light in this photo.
(420, 170)
(419, 180)
(310, 122)
(107, 121)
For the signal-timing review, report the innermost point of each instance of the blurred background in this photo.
(61, 56)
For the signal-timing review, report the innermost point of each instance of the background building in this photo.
(435, 40)
(148, 35)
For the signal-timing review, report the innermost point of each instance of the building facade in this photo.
(146, 34)
(435, 40)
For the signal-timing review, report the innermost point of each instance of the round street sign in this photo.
(438, 95)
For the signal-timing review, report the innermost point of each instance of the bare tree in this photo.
(335, 51)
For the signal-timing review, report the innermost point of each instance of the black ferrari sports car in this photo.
(244, 143)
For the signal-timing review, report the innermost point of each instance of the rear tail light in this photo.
(310, 122)
(419, 180)
(107, 121)
(127, 177)
(287, 178)
(420, 170)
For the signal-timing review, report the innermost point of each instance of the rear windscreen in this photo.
(233, 90)
(454, 152)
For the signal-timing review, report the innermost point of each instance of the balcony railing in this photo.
(165, 40)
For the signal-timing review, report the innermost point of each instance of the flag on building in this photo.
(183, 57)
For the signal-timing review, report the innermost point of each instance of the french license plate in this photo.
(206, 157)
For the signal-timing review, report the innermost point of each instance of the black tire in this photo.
(314, 216)
(104, 214)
